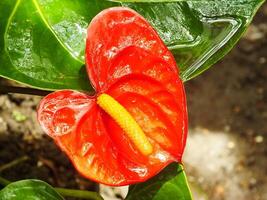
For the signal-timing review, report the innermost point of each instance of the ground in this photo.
(226, 154)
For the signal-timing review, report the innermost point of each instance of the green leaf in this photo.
(171, 183)
(198, 32)
(42, 41)
(30, 51)
(30, 190)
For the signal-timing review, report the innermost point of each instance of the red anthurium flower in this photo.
(136, 123)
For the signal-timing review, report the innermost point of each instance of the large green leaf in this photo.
(171, 184)
(29, 190)
(42, 41)
(31, 52)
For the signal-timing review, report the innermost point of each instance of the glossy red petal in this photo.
(161, 115)
(59, 113)
(126, 59)
(74, 121)
(78, 126)
(117, 33)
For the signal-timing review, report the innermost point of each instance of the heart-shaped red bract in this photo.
(127, 60)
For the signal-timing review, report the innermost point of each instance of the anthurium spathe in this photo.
(136, 122)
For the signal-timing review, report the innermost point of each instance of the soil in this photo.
(226, 155)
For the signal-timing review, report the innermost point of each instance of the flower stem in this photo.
(13, 163)
(5, 89)
(3, 181)
(79, 194)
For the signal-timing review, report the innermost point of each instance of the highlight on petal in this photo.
(118, 32)
(126, 60)
(88, 141)
(59, 112)
(73, 120)
(99, 148)
(160, 114)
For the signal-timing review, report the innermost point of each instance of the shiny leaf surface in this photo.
(30, 190)
(45, 49)
(171, 183)
(32, 53)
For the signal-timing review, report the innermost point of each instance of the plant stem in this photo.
(4, 89)
(79, 194)
(83, 194)
(13, 163)
(3, 181)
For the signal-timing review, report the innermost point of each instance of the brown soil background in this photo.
(226, 155)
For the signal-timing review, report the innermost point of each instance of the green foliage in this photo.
(42, 41)
(42, 45)
(171, 183)
(30, 190)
